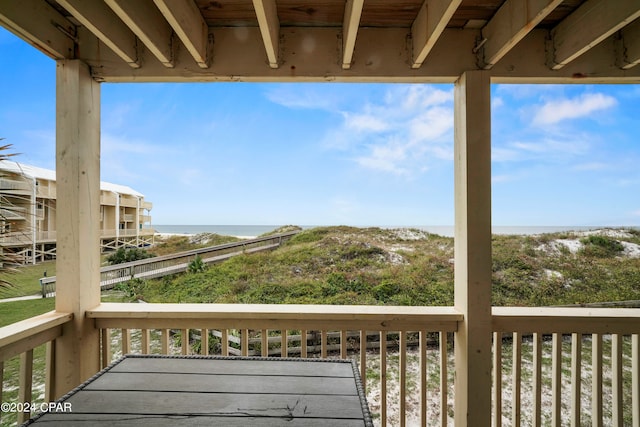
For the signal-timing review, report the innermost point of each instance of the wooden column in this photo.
(472, 152)
(78, 221)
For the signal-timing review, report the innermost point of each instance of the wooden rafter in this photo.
(187, 22)
(106, 25)
(591, 23)
(629, 51)
(513, 21)
(40, 25)
(352, 13)
(146, 21)
(267, 14)
(429, 25)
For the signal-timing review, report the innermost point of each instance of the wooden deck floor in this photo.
(189, 391)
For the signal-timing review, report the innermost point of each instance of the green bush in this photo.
(123, 255)
(133, 288)
(601, 246)
(197, 265)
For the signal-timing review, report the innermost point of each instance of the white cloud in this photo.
(301, 97)
(364, 122)
(563, 109)
(387, 158)
(409, 127)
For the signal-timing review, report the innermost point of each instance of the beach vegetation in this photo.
(122, 255)
(373, 266)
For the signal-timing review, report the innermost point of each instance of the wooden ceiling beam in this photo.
(511, 23)
(186, 20)
(432, 19)
(352, 14)
(106, 25)
(41, 26)
(267, 14)
(591, 23)
(383, 56)
(629, 46)
(146, 22)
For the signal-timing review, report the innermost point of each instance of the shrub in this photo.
(123, 255)
(197, 265)
(601, 246)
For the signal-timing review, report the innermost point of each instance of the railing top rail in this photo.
(276, 316)
(268, 311)
(566, 319)
(17, 331)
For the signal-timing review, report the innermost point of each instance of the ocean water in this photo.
(443, 230)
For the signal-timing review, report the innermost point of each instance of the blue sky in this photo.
(355, 154)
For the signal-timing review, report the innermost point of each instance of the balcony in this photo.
(127, 218)
(553, 364)
(12, 186)
(108, 198)
(14, 213)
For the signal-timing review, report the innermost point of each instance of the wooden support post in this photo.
(78, 221)
(472, 164)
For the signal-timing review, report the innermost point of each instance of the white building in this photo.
(28, 213)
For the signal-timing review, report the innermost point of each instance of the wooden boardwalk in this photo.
(188, 391)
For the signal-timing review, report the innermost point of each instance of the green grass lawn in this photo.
(26, 279)
(11, 312)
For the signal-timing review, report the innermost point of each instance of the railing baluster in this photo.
(49, 374)
(343, 344)
(105, 340)
(635, 379)
(204, 342)
(224, 337)
(402, 367)
(537, 380)
(443, 379)
(516, 374)
(497, 379)
(616, 380)
(284, 346)
(184, 340)
(596, 380)
(303, 343)
(264, 348)
(324, 338)
(576, 378)
(423, 378)
(244, 342)
(383, 378)
(126, 341)
(556, 380)
(164, 341)
(145, 345)
(363, 359)
(25, 381)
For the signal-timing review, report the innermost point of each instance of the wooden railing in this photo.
(175, 263)
(554, 365)
(21, 339)
(560, 358)
(378, 337)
